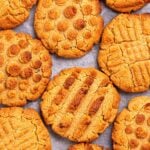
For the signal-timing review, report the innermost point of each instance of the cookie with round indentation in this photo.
(86, 146)
(25, 68)
(80, 103)
(126, 6)
(124, 53)
(22, 129)
(68, 28)
(132, 126)
(14, 12)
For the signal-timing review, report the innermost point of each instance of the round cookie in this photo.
(124, 53)
(68, 28)
(14, 12)
(86, 146)
(80, 103)
(25, 68)
(126, 6)
(22, 129)
(132, 126)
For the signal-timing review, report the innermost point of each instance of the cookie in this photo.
(22, 129)
(86, 146)
(80, 103)
(132, 126)
(126, 6)
(14, 12)
(25, 68)
(68, 28)
(124, 53)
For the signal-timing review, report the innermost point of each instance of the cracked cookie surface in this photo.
(25, 68)
(14, 12)
(80, 103)
(126, 5)
(132, 126)
(68, 28)
(22, 129)
(125, 52)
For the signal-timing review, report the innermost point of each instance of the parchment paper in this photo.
(89, 60)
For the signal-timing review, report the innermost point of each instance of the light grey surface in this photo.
(89, 60)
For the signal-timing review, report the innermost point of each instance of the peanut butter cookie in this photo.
(68, 28)
(132, 126)
(22, 129)
(80, 103)
(14, 12)
(125, 52)
(25, 68)
(126, 5)
(86, 146)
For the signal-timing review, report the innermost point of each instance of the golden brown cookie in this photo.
(80, 103)
(86, 146)
(126, 5)
(22, 129)
(132, 126)
(14, 12)
(68, 28)
(25, 68)
(125, 52)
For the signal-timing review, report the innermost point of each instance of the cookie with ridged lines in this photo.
(68, 28)
(86, 146)
(14, 12)
(125, 52)
(25, 68)
(22, 129)
(126, 6)
(132, 126)
(79, 104)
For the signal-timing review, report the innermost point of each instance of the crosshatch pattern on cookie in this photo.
(80, 103)
(125, 52)
(68, 28)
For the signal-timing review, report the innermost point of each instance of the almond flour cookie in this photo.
(86, 146)
(22, 129)
(25, 68)
(68, 28)
(132, 126)
(14, 12)
(125, 52)
(80, 103)
(126, 5)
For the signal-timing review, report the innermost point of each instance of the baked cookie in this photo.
(80, 103)
(125, 52)
(126, 5)
(86, 146)
(14, 12)
(132, 126)
(68, 28)
(25, 68)
(22, 129)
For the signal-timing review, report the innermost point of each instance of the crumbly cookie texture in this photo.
(22, 129)
(86, 146)
(14, 12)
(25, 68)
(68, 28)
(80, 103)
(132, 126)
(125, 52)
(126, 5)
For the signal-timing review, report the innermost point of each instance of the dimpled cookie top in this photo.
(126, 5)
(14, 12)
(125, 52)
(68, 28)
(25, 68)
(132, 126)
